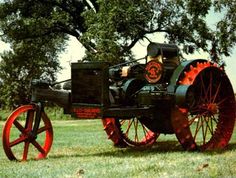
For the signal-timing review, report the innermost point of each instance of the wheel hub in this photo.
(209, 108)
(212, 108)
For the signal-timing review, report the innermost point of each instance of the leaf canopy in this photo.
(109, 29)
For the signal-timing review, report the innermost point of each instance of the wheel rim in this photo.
(18, 142)
(211, 110)
(113, 132)
(136, 134)
(129, 132)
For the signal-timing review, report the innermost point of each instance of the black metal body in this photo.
(101, 91)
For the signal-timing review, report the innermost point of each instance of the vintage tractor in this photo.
(136, 102)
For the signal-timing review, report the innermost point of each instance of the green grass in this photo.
(81, 149)
(54, 113)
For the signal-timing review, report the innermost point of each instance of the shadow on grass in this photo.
(159, 147)
(231, 146)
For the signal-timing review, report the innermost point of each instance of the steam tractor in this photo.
(136, 101)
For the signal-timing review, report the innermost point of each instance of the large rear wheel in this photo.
(207, 122)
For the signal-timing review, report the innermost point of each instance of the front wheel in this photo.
(18, 141)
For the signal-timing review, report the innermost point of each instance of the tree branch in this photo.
(152, 31)
(142, 35)
(130, 46)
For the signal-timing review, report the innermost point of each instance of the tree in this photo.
(112, 28)
(225, 35)
(27, 61)
(29, 57)
(108, 29)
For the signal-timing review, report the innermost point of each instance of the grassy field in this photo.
(81, 149)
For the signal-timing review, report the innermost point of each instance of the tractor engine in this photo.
(148, 90)
(130, 89)
(144, 84)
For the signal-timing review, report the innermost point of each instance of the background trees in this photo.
(109, 29)
(28, 60)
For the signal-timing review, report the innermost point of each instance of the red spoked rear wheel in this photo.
(208, 121)
(18, 140)
(131, 132)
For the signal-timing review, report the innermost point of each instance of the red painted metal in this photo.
(131, 132)
(113, 132)
(208, 121)
(87, 113)
(18, 141)
(136, 134)
(153, 71)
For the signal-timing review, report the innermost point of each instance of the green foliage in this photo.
(183, 22)
(226, 27)
(108, 30)
(56, 113)
(53, 112)
(27, 60)
(4, 113)
(115, 27)
(37, 32)
(119, 25)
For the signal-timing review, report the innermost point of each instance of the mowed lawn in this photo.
(81, 149)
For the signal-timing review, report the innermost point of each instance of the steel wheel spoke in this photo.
(136, 130)
(19, 126)
(129, 125)
(18, 141)
(222, 101)
(216, 94)
(197, 116)
(135, 135)
(199, 126)
(26, 150)
(211, 127)
(38, 146)
(122, 122)
(209, 124)
(43, 129)
(205, 92)
(145, 132)
(204, 130)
